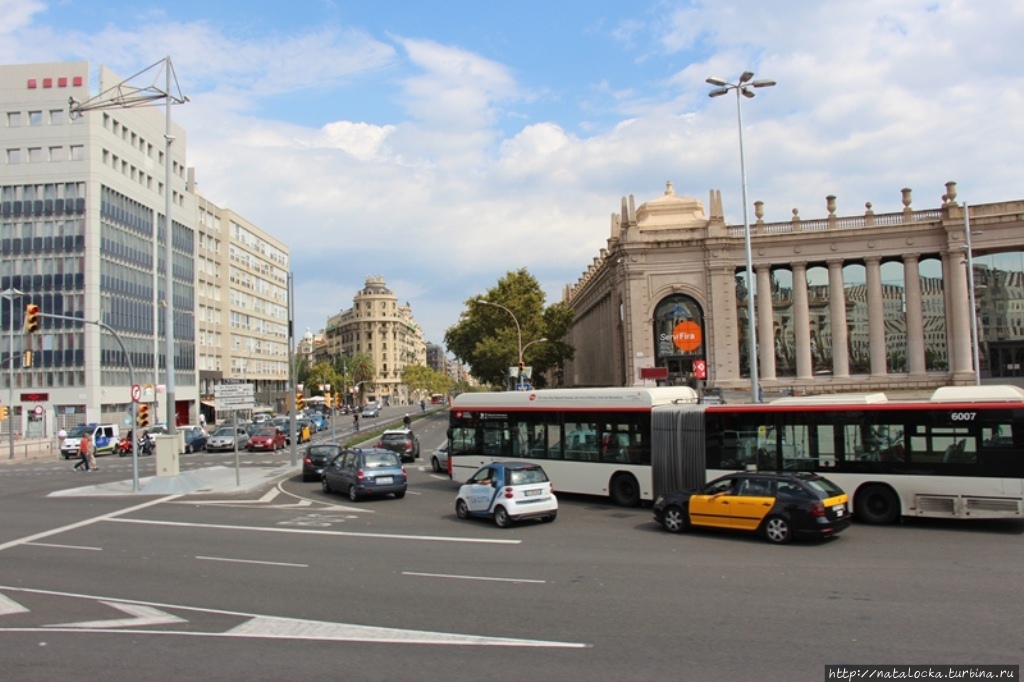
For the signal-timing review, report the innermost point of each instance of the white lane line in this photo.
(112, 516)
(47, 544)
(473, 577)
(8, 606)
(140, 616)
(252, 561)
(308, 531)
(271, 494)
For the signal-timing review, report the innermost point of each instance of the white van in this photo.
(104, 439)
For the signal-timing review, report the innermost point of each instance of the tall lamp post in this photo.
(743, 87)
(519, 338)
(972, 302)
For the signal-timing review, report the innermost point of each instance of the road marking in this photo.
(252, 561)
(274, 627)
(141, 615)
(9, 606)
(309, 531)
(84, 522)
(47, 544)
(473, 577)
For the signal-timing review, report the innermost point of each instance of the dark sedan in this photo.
(779, 506)
(317, 458)
(195, 439)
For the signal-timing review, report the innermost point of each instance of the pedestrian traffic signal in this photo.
(3, 412)
(31, 318)
(300, 401)
(142, 416)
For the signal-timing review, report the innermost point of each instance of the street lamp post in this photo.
(975, 341)
(519, 338)
(9, 294)
(743, 87)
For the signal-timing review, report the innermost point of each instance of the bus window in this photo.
(581, 441)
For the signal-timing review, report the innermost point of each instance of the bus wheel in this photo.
(877, 505)
(625, 491)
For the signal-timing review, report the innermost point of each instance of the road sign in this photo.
(700, 369)
(234, 403)
(234, 391)
(38, 409)
(136, 393)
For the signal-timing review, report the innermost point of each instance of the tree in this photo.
(487, 340)
(322, 373)
(362, 369)
(426, 380)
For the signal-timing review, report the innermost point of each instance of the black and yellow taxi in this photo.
(779, 506)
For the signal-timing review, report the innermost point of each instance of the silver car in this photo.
(226, 438)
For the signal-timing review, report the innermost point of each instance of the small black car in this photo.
(317, 458)
(780, 506)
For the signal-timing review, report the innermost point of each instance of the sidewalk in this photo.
(209, 480)
(28, 448)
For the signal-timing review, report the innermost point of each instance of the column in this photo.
(765, 323)
(837, 320)
(958, 321)
(876, 316)
(802, 323)
(914, 314)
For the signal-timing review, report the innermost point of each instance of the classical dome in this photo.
(670, 212)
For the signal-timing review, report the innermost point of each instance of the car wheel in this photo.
(400, 495)
(435, 465)
(461, 508)
(549, 519)
(877, 505)
(675, 520)
(501, 517)
(625, 491)
(325, 485)
(353, 494)
(777, 530)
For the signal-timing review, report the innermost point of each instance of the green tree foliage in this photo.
(486, 337)
(426, 380)
(320, 374)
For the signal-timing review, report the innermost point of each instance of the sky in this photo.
(442, 145)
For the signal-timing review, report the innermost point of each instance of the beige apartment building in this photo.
(378, 326)
(241, 306)
(855, 303)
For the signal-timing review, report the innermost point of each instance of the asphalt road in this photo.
(283, 582)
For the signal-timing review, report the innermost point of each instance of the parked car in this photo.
(371, 410)
(226, 437)
(402, 441)
(779, 506)
(317, 458)
(364, 472)
(195, 438)
(508, 492)
(439, 460)
(268, 438)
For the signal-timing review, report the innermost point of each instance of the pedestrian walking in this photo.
(84, 446)
(407, 420)
(355, 419)
(202, 421)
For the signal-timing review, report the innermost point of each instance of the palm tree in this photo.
(363, 370)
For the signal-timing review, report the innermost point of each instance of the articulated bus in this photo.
(959, 454)
(590, 441)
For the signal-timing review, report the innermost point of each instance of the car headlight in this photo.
(659, 500)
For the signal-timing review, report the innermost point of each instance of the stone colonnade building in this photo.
(868, 302)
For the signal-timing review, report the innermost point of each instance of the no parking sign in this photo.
(700, 369)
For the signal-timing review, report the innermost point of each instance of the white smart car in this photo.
(507, 492)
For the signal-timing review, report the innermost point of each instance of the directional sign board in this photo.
(234, 397)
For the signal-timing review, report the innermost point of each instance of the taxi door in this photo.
(713, 505)
(483, 489)
(754, 499)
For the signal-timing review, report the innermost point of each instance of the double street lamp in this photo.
(743, 87)
(519, 338)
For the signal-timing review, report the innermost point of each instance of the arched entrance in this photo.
(679, 335)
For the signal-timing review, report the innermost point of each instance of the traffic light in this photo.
(31, 318)
(26, 359)
(142, 416)
(300, 401)
(3, 412)
(327, 400)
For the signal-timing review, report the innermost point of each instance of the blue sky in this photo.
(444, 144)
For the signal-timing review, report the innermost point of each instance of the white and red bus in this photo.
(593, 441)
(959, 454)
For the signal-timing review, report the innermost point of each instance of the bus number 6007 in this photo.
(963, 416)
